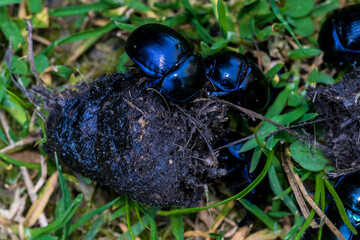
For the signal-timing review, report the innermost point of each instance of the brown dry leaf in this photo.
(241, 233)
(223, 213)
(196, 233)
(27, 156)
(265, 234)
(38, 207)
(206, 219)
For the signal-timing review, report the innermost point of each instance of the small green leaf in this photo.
(325, 79)
(18, 66)
(304, 26)
(125, 26)
(62, 71)
(304, 53)
(298, 9)
(41, 63)
(312, 160)
(8, 2)
(264, 33)
(34, 5)
(10, 29)
(312, 79)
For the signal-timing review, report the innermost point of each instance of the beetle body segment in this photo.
(238, 80)
(163, 53)
(339, 36)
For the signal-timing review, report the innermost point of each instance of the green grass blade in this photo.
(283, 21)
(127, 207)
(86, 34)
(277, 189)
(138, 227)
(58, 223)
(289, 189)
(94, 228)
(268, 221)
(20, 163)
(78, 10)
(237, 196)
(318, 189)
(177, 226)
(294, 228)
(339, 206)
(91, 214)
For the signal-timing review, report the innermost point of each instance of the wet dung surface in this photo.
(150, 151)
(339, 105)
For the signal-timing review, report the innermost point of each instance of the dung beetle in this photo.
(237, 79)
(339, 36)
(167, 56)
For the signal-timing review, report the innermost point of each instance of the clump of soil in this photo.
(338, 104)
(151, 151)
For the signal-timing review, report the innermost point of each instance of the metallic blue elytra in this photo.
(164, 54)
(339, 36)
(237, 79)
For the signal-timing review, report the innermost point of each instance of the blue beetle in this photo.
(339, 36)
(237, 79)
(166, 55)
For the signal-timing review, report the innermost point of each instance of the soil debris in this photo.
(338, 104)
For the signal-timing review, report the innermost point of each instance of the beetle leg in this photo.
(217, 94)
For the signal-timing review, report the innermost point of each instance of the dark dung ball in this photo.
(136, 146)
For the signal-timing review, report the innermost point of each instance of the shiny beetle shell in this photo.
(165, 54)
(339, 36)
(237, 79)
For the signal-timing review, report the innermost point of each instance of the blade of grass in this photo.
(318, 189)
(94, 228)
(127, 206)
(237, 196)
(86, 34)
(89, 215)
(289, 190)
(177, 226)
(138, 227)
(20, 163)
(138, 215)
(268, 221)
(58, 223)
(78, 10)
(294, 228)
(339, 205)
(283, 21)
(277, 189)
